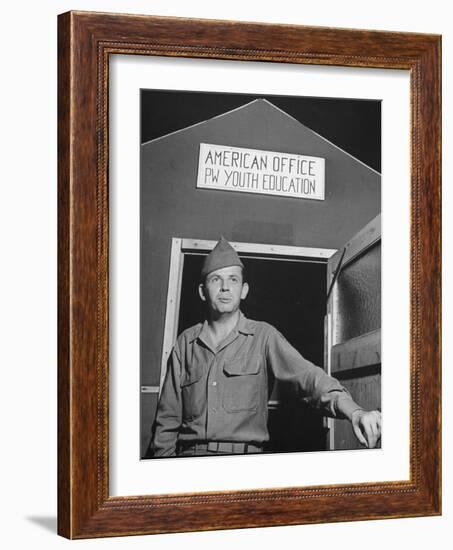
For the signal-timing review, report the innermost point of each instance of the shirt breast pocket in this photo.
(242, 384)
(192, 394)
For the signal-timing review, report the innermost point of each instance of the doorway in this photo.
(287, 290)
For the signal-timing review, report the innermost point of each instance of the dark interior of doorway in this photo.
(290, 294)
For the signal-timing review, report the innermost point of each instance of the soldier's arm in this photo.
(320, 390)
(169, 411)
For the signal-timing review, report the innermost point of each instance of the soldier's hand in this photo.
(367, 427)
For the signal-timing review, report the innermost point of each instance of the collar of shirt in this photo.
(243, 326)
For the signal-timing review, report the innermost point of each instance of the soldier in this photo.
(216, 390)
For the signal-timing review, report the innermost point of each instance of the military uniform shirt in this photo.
(222, 394)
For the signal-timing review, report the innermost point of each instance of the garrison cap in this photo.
(222, 255)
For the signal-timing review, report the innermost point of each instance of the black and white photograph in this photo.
(227, 261)
(260, 274)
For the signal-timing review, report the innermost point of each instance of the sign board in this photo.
(265, 172)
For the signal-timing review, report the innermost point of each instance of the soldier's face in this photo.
(224, 289)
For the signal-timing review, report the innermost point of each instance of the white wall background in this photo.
(28, 321)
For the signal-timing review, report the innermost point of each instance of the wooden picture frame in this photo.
(85, 41)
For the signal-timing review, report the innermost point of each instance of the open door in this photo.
(353, 325)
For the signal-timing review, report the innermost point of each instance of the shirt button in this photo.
(214, 383)
(214, 409)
